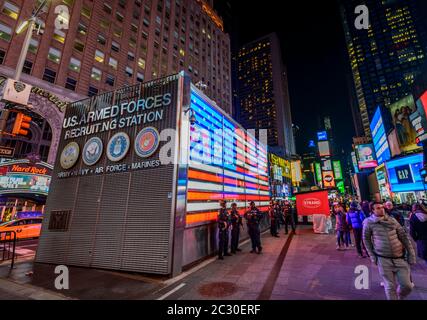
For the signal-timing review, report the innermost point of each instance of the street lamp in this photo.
(29, 25)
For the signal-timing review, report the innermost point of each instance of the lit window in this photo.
(141, 63)
(129, 71)
(96, 74)
(82, 28)
(139, 77)
(99, 56)
(54, 55)
(10, 10)
(5, 32)
(112, 63)
(34, 45)
(181, 52)
(75, 64)
(59, 36)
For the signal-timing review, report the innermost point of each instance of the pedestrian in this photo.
(365, 208)
(253, 217)
(386, 241)
(288, 217)
(355, 219)
(418, 228)
(393, 212)
(341, 226)
(236, 223)
(274, 213)
(223, 227)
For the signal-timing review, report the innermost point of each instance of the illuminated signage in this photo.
(404, 173)
(328, 179)
(311, 144)
(366, 156)
(285, 165)
(337, 170)
(383, 183)
(379, 136)
(354, 161)
(324, 149)
(400, 112)
(22, 177)
(322, 136)
(419, 119)
(318, 170)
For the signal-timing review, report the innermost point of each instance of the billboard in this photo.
(279, 162)
(366, 156)
(328, 179)
(406, 134)
(354, 161)
(379, 136)
(313, 203)
(419, 119)
(404, 173)
(383, 183)
(23, 177)
(322, 136)
(337, 170)
(324, 149)
(318, 170)
(296, 171)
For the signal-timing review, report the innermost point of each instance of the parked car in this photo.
(24, 228)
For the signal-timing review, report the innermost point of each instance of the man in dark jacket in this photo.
(236, 223)
(289, 217)
(223, 227)
(355, 219)
(393, 212)
(391, 250)
(273, 213)
(418, 229)
(253, 217)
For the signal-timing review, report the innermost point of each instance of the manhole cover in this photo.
(218, 289)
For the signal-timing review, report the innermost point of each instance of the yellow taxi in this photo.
(25, 228)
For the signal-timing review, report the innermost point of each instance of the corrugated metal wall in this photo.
(121, 221)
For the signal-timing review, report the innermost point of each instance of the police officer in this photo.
(236, 223)
(288, 215)
(274, 215)
(223, 226)
(253, 217)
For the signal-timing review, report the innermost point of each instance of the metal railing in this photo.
(7, 246)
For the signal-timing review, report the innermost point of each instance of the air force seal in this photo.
(146, 142)
(92, 151)
(118, 147)
(69, 155)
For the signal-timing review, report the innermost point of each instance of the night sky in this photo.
(314, 52)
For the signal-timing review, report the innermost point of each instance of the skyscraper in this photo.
(263, 93)
(386, 58)
(113, 43)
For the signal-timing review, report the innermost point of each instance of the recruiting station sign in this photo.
(313, 203)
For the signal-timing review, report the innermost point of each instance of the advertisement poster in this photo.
(383, 182)
(328, 179)
(404, 174)
(379, 137)
(406, 134)
(324, 149)
(313, 203)
(366, 156)
(419, 122)
(337, 170)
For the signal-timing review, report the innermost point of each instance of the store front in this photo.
(23, 188)
(406, 183)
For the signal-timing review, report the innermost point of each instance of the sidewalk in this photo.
(305, 266)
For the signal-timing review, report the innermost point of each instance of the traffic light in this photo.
(22, 124)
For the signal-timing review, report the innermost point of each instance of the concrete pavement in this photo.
(305, 266)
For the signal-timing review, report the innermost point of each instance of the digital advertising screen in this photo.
(354, 161)
(322, 136)
(337, 170)
(328, 179)
(366, 156)
(324, 149)
(404, 173)
(419, 122)
(379, 136)
(406, 134)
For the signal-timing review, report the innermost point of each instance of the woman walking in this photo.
(341, 226)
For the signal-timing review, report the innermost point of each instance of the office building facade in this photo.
(386, 58)
(263, 93)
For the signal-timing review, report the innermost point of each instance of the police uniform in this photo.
(289, 219)
(223, 226)
(253, 218)
(274, 214)
(236, 222)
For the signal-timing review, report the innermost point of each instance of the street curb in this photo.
(31, 292)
